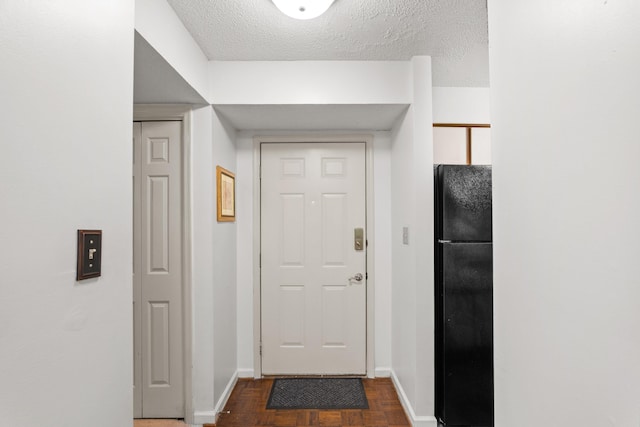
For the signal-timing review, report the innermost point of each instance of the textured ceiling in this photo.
(452, 32)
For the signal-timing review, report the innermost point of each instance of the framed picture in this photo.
(226, 186)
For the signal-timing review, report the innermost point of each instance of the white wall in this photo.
(310, 82)
(203, 214)
(403, 214)
(157, 82)
(224, 269)
(403, 179)
(66, 90)
(461, 105)
(213, 338)
(470, 105)
(158, 24)
(382, 265)
(245, 250)
(382, 224)
(412, 264)
(565, 110)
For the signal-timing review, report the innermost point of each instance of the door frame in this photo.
(370, 221)
(182, 113)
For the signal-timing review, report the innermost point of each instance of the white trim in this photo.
(370, 256)
(383, 372)
(187, 266)
(180, 112)
(224, 398)
(203, 417)
(160, 112)
(257, 314)
(370, 227)
(245, 373)
(415, 420)
(211, 417)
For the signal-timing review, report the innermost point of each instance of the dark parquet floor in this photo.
(246, 408)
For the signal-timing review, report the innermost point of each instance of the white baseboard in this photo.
(211, 417)
(225, 396)
(416, 421)
(203, 417)
(245, 373)
(383, 372)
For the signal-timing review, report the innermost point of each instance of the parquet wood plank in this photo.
(248, 401)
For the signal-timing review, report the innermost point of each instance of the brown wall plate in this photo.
(89, 254)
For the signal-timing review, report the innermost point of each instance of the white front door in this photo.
(313, 309)
(157, 270)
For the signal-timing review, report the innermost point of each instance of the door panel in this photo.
(292, 309)
(334, 229)
(292, 229)
(158, 214)
(333, 316)
(159, 355)
(158, 271)
(313, 316)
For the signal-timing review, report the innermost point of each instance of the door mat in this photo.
(317, 393)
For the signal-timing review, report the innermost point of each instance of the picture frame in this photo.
(226, 195)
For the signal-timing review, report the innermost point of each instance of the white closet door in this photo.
(158, 271)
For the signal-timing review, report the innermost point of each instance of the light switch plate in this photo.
(89, 254)
(405, 235)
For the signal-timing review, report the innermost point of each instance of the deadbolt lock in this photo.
(358, 239)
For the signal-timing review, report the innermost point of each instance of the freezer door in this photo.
(463, 202)
(467, 346)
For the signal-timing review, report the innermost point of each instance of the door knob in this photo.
(357, 277)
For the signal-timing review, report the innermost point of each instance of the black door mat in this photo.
(317, 393)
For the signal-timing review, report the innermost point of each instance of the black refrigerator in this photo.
(463, 296)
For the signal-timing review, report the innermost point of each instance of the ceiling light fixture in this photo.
(303, 9)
